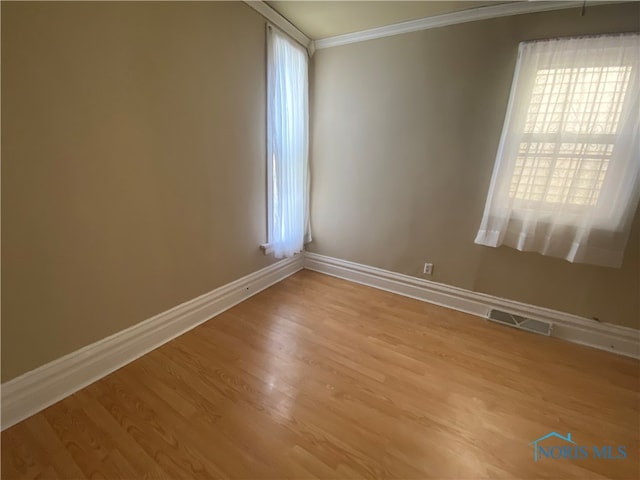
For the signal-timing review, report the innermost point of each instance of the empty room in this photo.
(310, 239)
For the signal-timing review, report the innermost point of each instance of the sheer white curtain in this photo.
(565, 181)
(287, 144)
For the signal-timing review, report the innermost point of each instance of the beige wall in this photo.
(405, 132)
(133, 177)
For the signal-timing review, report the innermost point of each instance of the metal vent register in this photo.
(523, 323)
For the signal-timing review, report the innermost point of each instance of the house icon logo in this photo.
(564, 448)
(536, 449)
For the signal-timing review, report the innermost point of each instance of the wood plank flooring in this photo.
(317, 377)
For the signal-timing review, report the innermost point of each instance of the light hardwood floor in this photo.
(319, 377)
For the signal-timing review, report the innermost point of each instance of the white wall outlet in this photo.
(428, 269)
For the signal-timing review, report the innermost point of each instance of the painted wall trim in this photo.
(573, 328)
(27, 394)
(33, 391)
(282, 23)
(471, 15)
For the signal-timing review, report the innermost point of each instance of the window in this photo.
(584, 101)
(565, 182)
(287, 145)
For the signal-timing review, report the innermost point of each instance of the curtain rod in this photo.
(577, 37)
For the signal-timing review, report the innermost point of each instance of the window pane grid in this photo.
(566, 173)
(582, 101)
(585, 100)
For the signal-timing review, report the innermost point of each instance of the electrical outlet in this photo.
(428, 269)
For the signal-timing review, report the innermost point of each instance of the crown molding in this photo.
(282, 23)
(472, 15)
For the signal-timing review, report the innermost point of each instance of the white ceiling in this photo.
(318, 19)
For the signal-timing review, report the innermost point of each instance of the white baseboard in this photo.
(32, 392)
(35, 390)
(576, 329)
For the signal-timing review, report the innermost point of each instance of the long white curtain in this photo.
(287, 144)
(566, 177)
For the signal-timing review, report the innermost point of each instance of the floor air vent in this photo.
(523, 323)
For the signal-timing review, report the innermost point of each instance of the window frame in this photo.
(271, 32)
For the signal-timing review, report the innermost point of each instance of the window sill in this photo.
(266, 248)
